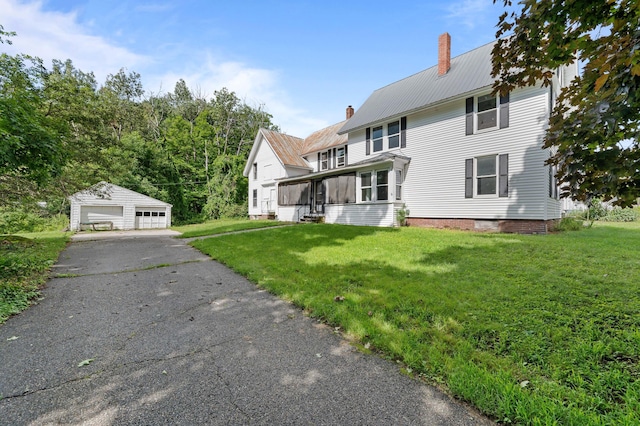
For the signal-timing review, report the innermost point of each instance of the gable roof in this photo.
(325, 138)
(104, 191)
(469, 71)
(286, 147)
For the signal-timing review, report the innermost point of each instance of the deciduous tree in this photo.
(594, 126)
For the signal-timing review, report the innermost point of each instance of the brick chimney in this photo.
(350, 112)
(444, 53)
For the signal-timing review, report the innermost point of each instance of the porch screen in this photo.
(341, 189)
(292, 194)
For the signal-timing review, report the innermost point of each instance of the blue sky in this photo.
(305, 61)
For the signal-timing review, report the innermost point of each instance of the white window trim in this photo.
(476, 176)
(381, 138)
(389, 136)
(398, 184)
(374, 186)
(476, 120)
(342, 157)
(324, 160)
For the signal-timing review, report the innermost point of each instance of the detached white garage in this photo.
(110, 206)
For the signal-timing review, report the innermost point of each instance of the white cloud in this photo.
(256, 86)
(55, 35)
(470, 13)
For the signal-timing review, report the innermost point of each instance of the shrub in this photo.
(14, 221)
(618, 214)
(569, 224)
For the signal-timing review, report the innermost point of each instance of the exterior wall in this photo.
(118, 196)
(269, 169)
(378, 214)
(434, 184)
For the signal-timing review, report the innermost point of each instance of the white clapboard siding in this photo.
(269, 169)
(438, 147)
(104, 202)
(370, 214)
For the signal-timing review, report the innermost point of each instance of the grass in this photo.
(222, 226)
(529, 329)
(24, 267)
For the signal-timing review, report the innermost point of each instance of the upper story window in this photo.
(393, 132)
(324, 161)
(377, 139)
(486, 112)
(395, 136)
(340, 157)
(255, 171)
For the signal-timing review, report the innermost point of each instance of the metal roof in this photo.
(287, 148)
(325, 138)
(469, 71)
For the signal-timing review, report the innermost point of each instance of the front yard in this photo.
(529, 329)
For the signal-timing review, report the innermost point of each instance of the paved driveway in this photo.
(147, 330)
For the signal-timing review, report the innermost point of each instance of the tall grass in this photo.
(529, 329)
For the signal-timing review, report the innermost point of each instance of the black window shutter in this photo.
(403, 132)
(329, 160)
(504, 111)
(334, 159)
(319, 164)
(468, 178)
(469, 116)
(503, 181)
(346, 156)
(368, 146)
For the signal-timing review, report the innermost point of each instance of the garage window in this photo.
(162, 214)
(138, 213)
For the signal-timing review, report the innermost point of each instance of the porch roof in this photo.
(383, 158)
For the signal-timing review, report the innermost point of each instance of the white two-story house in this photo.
(438, 144)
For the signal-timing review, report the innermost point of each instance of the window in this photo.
(138, 213)
(365, 185)
(396, 136)
(162, 214)
(382, 185)
(377, 139)
(154, 214)
(255, 171)
(146, 214)
(340, 157)
(255, 198)
(398, 184)
(483, 112)
(487, 112)
(486, 175)
(324, 161)
(393, 130)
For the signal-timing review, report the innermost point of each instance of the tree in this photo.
(594, 126)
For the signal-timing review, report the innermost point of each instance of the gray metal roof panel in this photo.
(469, 71)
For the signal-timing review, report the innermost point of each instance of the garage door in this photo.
(113, 214)
(151, 218)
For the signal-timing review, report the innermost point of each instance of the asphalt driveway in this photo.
(147, 330)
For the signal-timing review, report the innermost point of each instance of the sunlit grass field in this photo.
(529, 329)
(222, 226)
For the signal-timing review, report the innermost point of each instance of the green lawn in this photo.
(529, 329)
(24, 267)
(222, 226)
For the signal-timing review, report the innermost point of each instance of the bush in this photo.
(618, 214)
(569, 224)
(14, 221)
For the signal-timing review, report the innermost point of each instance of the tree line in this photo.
(61, 131)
